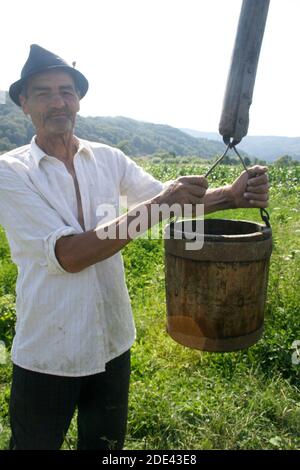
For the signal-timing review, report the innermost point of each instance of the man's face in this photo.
(52, 102)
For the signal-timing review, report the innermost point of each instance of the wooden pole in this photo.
(241, 78)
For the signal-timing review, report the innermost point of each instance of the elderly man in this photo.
(74, 321)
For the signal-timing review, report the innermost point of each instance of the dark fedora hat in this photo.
(41, 60)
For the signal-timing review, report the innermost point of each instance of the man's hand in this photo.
(250, 189)
(184, 190)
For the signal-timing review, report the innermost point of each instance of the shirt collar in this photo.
(37, 153)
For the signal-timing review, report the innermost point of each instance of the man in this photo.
(74, 322)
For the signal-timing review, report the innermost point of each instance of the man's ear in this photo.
(23, 102)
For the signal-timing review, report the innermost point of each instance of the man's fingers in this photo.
(195, 180)
(260, 189)
(257, 170)
(195, 190)
(193, 200)
(258, 180)
(258, 204)
(256, 196)
(185, 190)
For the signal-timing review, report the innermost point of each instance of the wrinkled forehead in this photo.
(50, 79)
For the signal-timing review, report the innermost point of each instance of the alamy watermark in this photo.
(191, 230)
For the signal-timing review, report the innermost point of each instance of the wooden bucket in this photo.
(216, 295)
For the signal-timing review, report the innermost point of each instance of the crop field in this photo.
(182, 398)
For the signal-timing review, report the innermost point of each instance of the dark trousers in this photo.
(42, 407)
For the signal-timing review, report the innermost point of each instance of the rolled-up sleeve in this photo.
(30, 221)
(53, 266)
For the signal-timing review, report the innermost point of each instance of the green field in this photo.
(186, 399)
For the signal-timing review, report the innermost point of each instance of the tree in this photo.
(247, 161)
(285, 160)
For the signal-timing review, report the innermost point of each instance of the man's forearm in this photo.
(218, 199)
(77, 252)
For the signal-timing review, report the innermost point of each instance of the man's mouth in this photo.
(59, 115)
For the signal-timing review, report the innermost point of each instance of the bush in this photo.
(7, 319)
(8, 276)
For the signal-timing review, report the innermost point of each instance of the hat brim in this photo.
(81, 82)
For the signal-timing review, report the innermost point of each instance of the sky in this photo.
(160, 61)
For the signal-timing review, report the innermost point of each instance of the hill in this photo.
(135, 138)
(143, 138)
(265, 147)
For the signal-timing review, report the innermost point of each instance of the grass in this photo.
(186, 399)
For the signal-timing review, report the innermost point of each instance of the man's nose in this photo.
(57, 101)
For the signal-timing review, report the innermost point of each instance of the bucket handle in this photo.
(263, 212)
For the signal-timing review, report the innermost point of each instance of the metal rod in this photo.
(217, 162)
(241, 159)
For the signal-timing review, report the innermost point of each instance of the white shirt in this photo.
(67, 324)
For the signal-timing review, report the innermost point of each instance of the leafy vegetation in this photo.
(186, 399)
(286, 160)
